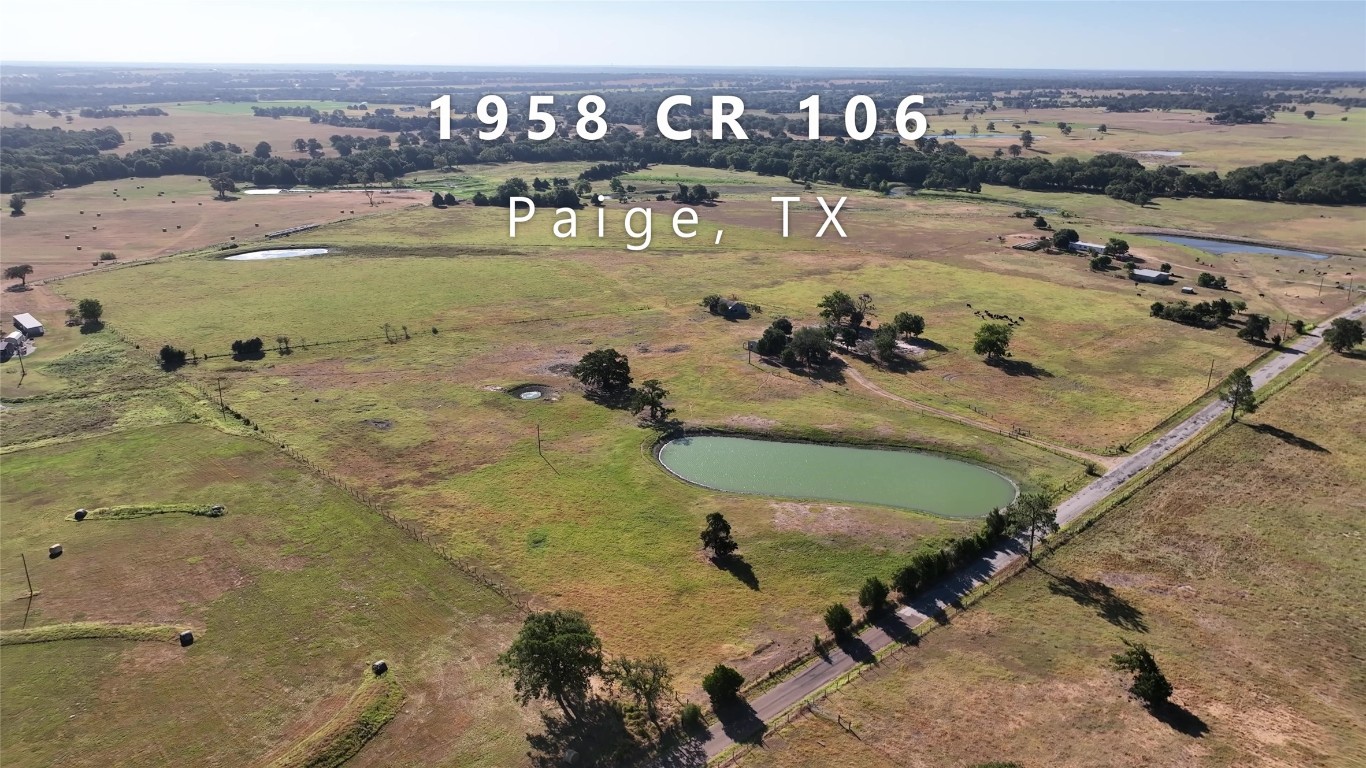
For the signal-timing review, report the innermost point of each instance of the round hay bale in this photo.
(186, 639)
(80, 514)
(379, 667)
(78, 247)
(54, 551)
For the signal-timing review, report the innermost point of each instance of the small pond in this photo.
(1224, 246)
(279, 253)
(904, 479)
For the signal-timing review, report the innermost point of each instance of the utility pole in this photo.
(26, 576)
(31, 594)
(221, 406)
(538, 439)
(1209, 381)
(1320, 293)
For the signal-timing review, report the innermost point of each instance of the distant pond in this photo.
(904, 479)
(1218, 247)
(277, 253)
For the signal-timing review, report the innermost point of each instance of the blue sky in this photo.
(1222, 35)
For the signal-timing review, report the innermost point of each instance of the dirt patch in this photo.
(383, 425)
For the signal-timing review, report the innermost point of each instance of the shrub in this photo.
(722, 685)
(873, 596)
(248, 348)
(171, 358)
(107, 256)
(838, 619)
(691, 716)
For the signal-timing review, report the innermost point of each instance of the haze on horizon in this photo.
(1213, 35)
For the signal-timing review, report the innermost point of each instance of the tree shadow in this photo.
(741, 723)
(1180, 719)
(855, 648)
(616, 399)
(895, 627)
(1099, 596)
(92, 326)
(1021, 368)
(832, 372)
(924, 343)
(598, 734)
(736, 566)
(1289, 438)
(242, 357)
(899, 364)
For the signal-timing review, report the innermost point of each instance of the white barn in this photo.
(28, 325)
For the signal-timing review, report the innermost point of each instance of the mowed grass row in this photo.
(1240, 569)
(296, 589)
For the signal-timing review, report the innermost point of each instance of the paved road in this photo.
(791, 691)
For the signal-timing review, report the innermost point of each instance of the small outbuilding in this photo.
(734, 310)
(11, 345)
(28, 325)
(1080, 247)
(1151, 276)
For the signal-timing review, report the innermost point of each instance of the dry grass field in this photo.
(1239, 568)
(127, 217)
(1203, 145)
(290, 595)
(195, 124)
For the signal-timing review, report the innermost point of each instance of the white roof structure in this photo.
(27, 320)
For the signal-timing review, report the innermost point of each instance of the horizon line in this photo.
(671, 69)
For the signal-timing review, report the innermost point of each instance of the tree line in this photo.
(34, 163)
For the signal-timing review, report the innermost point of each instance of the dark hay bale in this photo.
(186, 639)
(380, 667)
(80, 514)
(54, 551)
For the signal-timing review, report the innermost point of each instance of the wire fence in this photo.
(414, 531)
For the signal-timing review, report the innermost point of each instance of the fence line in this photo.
(413, 531)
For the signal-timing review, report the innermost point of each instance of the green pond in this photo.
(904, 479)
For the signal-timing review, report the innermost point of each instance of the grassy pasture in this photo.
(128, 216)
(196, 124)
(1204, 146)
(296, 589)
(414, 423)
(1239, 569)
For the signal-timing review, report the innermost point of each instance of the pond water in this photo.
(1223, 246)
(904, 479)
(278, 253)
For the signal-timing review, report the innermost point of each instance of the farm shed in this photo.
(28, 325)
(1080, 247)
(1151, 276)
